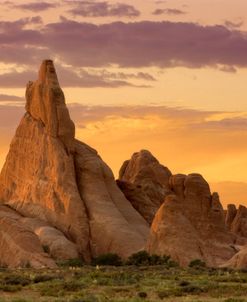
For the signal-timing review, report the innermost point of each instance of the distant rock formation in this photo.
(187, 221)
(236, 220)
(145, 183)
(190, 224)
(230, 215)
(61, 187)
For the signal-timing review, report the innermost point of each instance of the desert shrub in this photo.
(143, 258)
(142, 295)
(73, 285)
(54, 288)
(184, 283)
(76, 262)
(16, 280)
(107, 259)
(234, 300)
(197, 263)
(192, 289)
(43, 278)
(19, 300)
(10, 288)
(139, 258)
(87, 298)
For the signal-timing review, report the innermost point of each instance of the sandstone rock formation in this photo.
(145, 183)
(230, 215)
(19, 247)
(236, 220)
(190, 224)
(63, 184)
(239, 260)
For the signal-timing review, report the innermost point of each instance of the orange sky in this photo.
(170, 78)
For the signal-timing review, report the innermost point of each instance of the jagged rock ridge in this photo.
(51, 177)
(189, 221)
(145, 183)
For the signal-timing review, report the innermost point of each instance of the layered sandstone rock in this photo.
(190, 224)
(19, 247)
(238, 225)
(115, 226)
(145, 183)
(230, 215)
(50, 176)
(239, 260)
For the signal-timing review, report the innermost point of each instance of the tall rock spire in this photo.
(45, 101)
(60, 189)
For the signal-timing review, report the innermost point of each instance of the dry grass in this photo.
(122, 284)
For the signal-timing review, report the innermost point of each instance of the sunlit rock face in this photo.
(190, 224)
(187, 221)
(236, 220)
(145, 183)
(50, 176)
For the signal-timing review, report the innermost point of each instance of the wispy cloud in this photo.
(168, 11)
(33, 6)
(78, 78)
(12, 98)
(233, 25)
(102, 9)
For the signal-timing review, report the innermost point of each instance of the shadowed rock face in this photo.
(190, 224)
(230, 215)
(145, 183)
(63, 183)
(238, 221)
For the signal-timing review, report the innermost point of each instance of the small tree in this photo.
(107, 259)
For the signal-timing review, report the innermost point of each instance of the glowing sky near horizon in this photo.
(168, 76)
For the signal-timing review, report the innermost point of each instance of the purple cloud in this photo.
(134, 44)
(168, 11)
(102, 9)
(139, 44)
(34, 6)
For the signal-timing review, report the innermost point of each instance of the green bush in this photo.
(77, 262)
(107, 259)
(197, 263)
(140, 258)
(235, 300)
(43, 278)
(143, 258)
(16, 280)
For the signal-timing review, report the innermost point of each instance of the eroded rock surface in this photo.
(190, 224)
(238, 223)
(50, 176)
(19, 247)
(145, 183)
